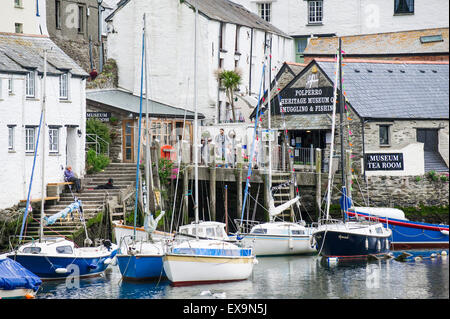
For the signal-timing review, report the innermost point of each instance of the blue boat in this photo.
(406, 234)
(58, 258)
(16, 281)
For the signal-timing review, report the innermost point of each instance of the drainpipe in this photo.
(251, 61)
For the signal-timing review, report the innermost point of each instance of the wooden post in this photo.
(239, 189)
(348, 172)
(212, 181)
(186, 193)
(318, 180)
(226, 209)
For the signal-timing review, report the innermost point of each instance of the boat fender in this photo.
(312, 242)
(378, 245)
(367, 243)
(92, 266)
(114, 261)
(29, 296)
(107, 261)
(443, 253)
(418, 258)
(61, 270)
(433, 255)
(255, 261)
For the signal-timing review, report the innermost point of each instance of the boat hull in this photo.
(347, 245)
(184, 270)
(272, 245)
(45, 266)
(141, 267)
(18, 293)
(412, 235)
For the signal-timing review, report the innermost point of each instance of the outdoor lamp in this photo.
(79, 132)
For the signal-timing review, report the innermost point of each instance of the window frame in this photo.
(388, 135)
(18, 27)
(58, 14)
(28, 139)
(10, 85)
(81, 19)
(316, 16)
(64, 86)
(265, 11)
(408, 3)
(11, 138)
(18, 4)
(53, 146)
(30, 90)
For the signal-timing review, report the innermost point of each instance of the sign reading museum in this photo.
(384, 162)
(294, 101)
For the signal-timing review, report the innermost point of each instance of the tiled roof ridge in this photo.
(25, 35)
(353, 60)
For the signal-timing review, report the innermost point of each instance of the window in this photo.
(300, 47)
(264, 11)
(10, 138)
(58, 14)
(384, 135)
(29, 139)
(315, 12)
(80, 19)
(297, 232)
(18, 3)
(64, 250)
(259, 231)
(18, 27)
(53, 139)
(63, 86)
(30, 84)
(403, 6)
(10, 85)
(31, 250)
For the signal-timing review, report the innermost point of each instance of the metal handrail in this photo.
(96, 141)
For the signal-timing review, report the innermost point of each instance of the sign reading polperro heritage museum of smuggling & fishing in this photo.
(384, 162)
(295, 101)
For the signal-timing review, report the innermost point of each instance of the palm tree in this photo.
(230, 80)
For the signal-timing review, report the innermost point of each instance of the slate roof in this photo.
(413, 90)
(225, 11)
(128, 102)
(390, 43)
(19, 54)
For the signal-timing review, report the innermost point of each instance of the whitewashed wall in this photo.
(15, 109)
(32, 24)
(171, 54)
(353, 17)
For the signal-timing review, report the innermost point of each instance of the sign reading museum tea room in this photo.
(295, 101)
(384, 162)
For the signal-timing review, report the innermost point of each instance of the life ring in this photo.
(166, 151)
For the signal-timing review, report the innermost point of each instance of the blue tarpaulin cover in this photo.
(13, 275)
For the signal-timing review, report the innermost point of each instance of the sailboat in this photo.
(57, 257)
(16, 281)
(140, 255)
(202, 261)
(275, 237)
(345, 239)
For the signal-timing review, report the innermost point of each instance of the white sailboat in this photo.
(56, 257)
(343, 238)
(202, 261)
(276, 238)
(140, 254)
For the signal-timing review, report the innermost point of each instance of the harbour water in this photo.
(290, 277)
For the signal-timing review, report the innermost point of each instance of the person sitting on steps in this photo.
(69, 176)
(108, 185)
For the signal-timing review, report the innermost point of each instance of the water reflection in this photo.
(290, 277)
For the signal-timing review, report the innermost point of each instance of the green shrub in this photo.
(418, 178)
(96, 163)
(433, 176)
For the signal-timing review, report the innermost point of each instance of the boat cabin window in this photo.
(379, 230)
(64, 250)
(259, 231)
(297, 232)
(32, 250)
(210, 232)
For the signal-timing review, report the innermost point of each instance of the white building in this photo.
(21, 101)
(305, 18)
(229, 37)
(23, 16)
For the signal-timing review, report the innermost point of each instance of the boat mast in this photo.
(195, 124)
(44, 96)
(333, 125)
(269, 126)
(341, 120)
(148, 159)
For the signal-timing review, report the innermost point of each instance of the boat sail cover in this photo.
(62, 214)
(13, 276)
(274, 211)
(150, 223)
(345, 200)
